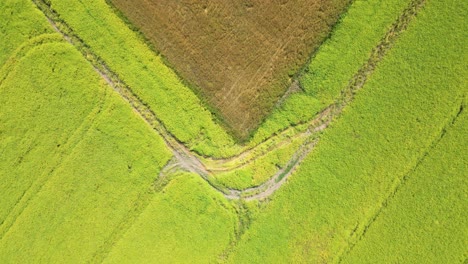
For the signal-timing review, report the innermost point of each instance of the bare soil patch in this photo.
(240, 56)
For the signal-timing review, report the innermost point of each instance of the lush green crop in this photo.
(335, 63)
(259, 170)
(391, 125)
(123, 51)
(76, 162)
(77, 167)
(35, 128)
(186, 222)
(80, 170)
(20, 22)
(426, 220)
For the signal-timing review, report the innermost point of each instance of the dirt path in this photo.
(186, 160)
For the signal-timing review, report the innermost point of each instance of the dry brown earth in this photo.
(238, 55)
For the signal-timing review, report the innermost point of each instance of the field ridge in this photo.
(189, 160)
(347, 95)
(139, 206)
(60, 157)
(357, 236)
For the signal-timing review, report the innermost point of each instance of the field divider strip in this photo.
(59, 158)
(398, 27)
(192, 162)
(141, 107)
(187, 160)
(347, 95)
(400, 182)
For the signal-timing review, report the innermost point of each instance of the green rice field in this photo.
(108, 156)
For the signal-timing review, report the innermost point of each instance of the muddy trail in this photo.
(187, 160)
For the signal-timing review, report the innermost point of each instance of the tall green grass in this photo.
(412, 97)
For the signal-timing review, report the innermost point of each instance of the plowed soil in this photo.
(238, 55)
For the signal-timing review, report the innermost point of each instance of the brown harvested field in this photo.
(238, 55)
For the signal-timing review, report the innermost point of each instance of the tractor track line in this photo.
(140, 107)
(23, 50)
(398, 27)
(140, 204)
(60, 157)
(23, 201)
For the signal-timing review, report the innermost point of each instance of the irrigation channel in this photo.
(187, 160)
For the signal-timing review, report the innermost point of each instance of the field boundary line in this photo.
(398, 27)
(400, 182)
(355, 84)
(141, 203)
(126, 92)
(189, 160)
(59, 158)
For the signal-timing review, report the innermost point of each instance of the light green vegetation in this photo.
(75, 161)
(261, 169)
(186, 222)
(427, 218)
(159, 87)
(20, 22)
(123, 51)
(335, 63)
(78, 167)
(348, 49)
(364, 156)
(34, 128)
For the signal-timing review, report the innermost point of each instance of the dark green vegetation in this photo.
(83, 177)
(239, 55)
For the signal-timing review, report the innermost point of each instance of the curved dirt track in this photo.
(185, 159)
(23, 49)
